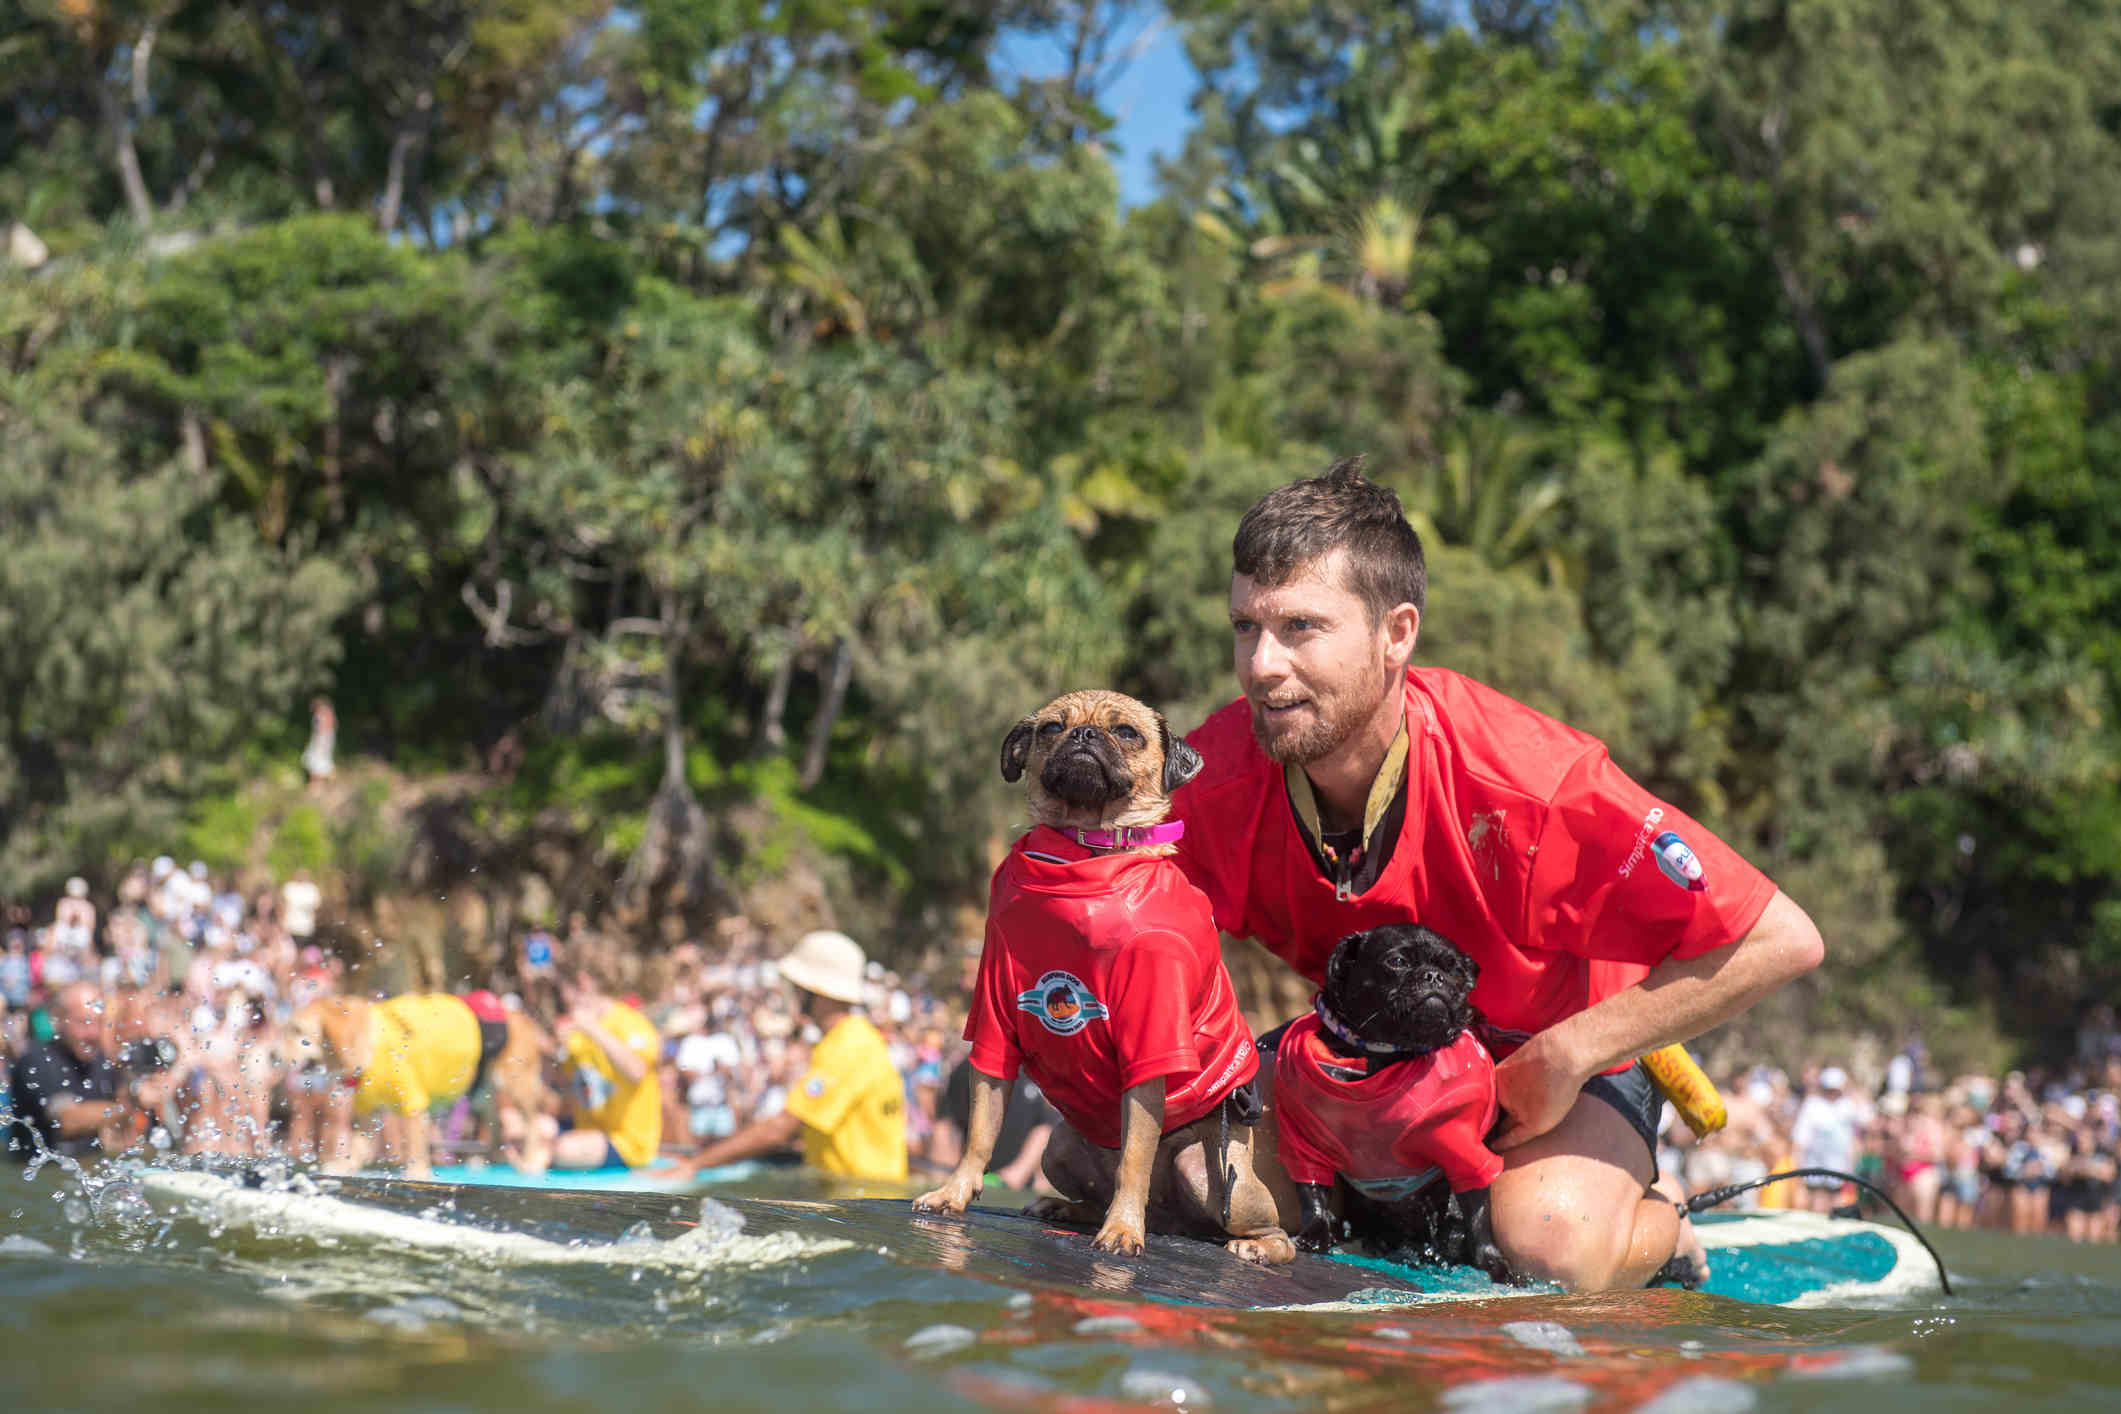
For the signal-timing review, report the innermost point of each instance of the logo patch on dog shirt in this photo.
(1062, 1004)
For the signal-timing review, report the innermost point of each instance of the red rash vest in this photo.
(1521, 842)
(1100, 972)
(1386, 1132)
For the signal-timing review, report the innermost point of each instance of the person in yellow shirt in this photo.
(849, 1109)
(609, 1052)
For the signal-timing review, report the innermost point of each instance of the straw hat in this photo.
(827, 963)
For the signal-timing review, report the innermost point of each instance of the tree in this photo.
(144, 637)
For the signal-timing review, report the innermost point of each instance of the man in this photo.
(70, 1097)
(849, 1109)
(1825, 1135)
(609, 1052)
(1347, 789)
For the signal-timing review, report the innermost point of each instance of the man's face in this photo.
(1313, 667)
(78, 1021)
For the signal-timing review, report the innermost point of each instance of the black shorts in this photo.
(1639, 1101)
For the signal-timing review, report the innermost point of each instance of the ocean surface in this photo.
(113, 1299)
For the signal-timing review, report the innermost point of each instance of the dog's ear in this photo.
(1340, 969)
(1181, 762)
(1468, 972)
(1016, 749)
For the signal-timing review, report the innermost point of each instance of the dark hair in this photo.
(1371, 980)
(1294, 526)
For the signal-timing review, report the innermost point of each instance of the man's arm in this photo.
(623, 1059)
(761, 1136)
(74, 1117)
(1023, 1171)
(1681, 998)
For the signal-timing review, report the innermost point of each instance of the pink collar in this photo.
(1128, 836)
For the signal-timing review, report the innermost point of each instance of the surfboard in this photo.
(1781, 1258)
(663, 1176)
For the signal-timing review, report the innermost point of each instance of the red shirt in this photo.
(1522, 844)
(1385, 1132)
(1102, 971)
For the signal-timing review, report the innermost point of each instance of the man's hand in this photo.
(954, 1196)
(1535, 1086)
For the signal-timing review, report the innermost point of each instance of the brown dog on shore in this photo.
(412, 1054)
(1102, 972)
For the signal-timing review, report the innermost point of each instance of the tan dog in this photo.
(409, 1055)
(1102, 961)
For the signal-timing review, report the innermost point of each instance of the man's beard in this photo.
(1333, 720)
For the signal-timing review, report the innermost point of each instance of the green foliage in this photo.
(698, 430)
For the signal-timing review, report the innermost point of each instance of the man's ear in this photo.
(1181, 762)
(1016, 749)
(1402, 630)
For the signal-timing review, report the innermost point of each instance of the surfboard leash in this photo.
(1715, 1197)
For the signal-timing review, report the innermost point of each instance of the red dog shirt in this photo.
(1102, 971)
(1389, 1131)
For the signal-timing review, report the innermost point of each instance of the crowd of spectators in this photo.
(2032, 1152)
(164, 1012)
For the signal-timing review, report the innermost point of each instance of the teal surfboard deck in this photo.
(664, 1176)
(1780, 1258)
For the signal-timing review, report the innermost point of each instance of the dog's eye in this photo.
(1048, 728)
(1128, 735)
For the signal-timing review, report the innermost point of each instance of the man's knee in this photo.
(1569, 1207)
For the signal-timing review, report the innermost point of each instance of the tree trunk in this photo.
(828, 712)
(773, 730)
(194, 442)
(120, 125)
(336, 370)
(673, 868)
(673, 719)
(402, 148)
(1810, 328)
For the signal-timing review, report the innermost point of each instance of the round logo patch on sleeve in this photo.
(1679, 862)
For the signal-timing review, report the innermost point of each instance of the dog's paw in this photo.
(1059, 1210)
(954, 1196)
(1120, 1237)
(1273, 1250)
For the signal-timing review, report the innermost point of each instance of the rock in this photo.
(24, 249)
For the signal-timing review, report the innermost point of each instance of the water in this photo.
(113, 1299)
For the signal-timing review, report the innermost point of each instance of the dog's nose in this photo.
(1085, 732)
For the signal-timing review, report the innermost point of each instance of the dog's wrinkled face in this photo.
(1403, 986)
(1097, 760)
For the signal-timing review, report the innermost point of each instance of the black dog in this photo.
(1385, 1085)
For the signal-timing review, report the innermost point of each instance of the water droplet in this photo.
(931, 1341)
(1550, 1336)
(1107, 1325)
(1703, 1394)
(1522, 1394)
(1162, 1387)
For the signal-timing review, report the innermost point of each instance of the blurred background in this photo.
(523, 465)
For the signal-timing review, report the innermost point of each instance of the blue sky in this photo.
(1149, 102)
